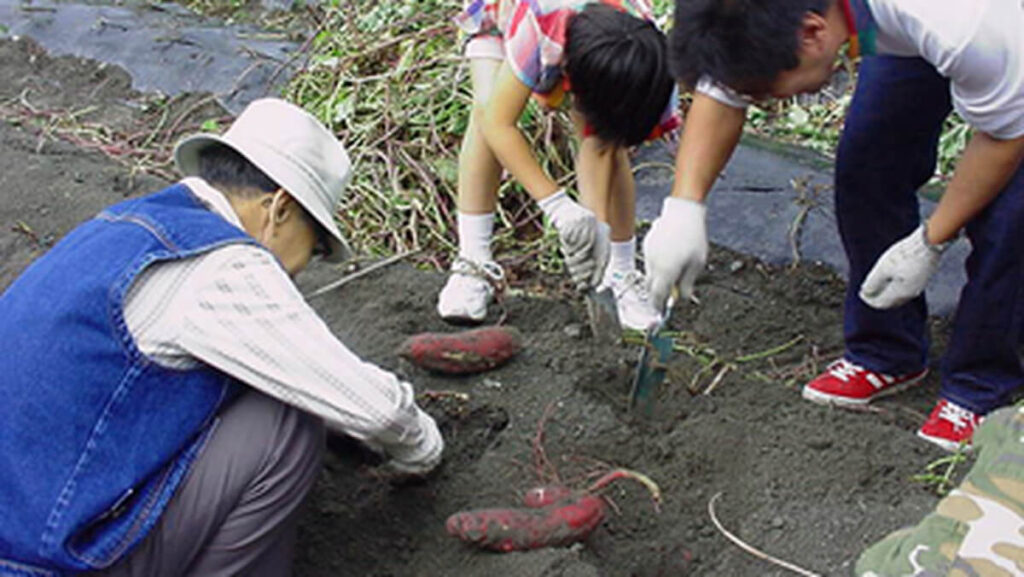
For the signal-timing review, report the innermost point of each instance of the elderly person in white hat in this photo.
(165, 384)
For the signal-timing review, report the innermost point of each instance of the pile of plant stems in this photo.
(389, 78)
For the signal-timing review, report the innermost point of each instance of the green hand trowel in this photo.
(652, 366)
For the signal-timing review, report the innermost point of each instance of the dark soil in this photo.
(803, 482)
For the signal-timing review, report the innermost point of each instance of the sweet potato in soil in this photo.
(554, 515)
(546, 495)
(520, 529)
(464, 352)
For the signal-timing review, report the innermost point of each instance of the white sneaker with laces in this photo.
(634, 302)
(470, 288)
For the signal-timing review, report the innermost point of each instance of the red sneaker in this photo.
(844, 383)
(949, 425)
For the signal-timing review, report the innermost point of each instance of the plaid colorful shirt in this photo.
(534, 37)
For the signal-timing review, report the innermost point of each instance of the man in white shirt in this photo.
(922, 59)
(166, 385)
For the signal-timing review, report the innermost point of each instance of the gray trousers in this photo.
(236, 512)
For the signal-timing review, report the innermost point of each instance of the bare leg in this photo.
(470, 287)
(608, 181)
(479, 170)
(605, 181)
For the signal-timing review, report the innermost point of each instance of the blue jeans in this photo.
(887, 152)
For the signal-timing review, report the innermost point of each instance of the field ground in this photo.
(806, 483)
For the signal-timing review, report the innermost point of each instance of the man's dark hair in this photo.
(230, 172)
(617, 66)
(743, 44)
(223, 167)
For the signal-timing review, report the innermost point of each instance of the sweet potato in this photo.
(566, 522)
(548, 495)
(465, 352)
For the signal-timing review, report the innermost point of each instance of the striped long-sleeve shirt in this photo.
(237, 310)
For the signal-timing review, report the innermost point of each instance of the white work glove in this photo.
(585, 242)
(419, 459)
(902, 271)
(675, 250)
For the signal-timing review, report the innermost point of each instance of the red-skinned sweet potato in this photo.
(565, 522)
(554, 515)
(465, 352)
(547, 495)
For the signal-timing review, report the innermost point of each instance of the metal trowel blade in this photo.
(603, 314)
(650, 371)
(652, 364)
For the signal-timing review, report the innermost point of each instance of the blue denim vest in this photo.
(94, 437)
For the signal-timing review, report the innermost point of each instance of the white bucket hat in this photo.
(292, 148)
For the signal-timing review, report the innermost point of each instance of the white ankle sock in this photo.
(623, 257)
(475, 231)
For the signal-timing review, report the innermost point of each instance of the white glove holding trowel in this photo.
(675, 250)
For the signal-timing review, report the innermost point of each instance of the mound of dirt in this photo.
(807, 483)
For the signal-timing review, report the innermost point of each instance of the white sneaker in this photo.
(634, 302)
(469, 290)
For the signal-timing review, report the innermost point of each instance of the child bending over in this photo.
(609, 57)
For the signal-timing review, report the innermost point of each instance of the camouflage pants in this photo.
(978, 529)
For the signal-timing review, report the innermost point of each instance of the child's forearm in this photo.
(513, 152)
(594, 169)
(498, 124)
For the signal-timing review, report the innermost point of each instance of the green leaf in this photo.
(446, 169)
(799, 116)
(344, 106)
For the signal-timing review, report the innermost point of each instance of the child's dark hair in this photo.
(743, 44)
(222, 165)
(618, 71)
